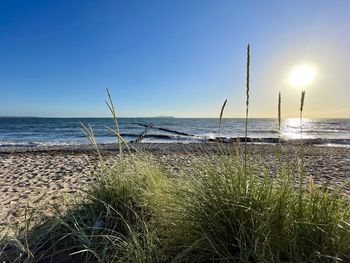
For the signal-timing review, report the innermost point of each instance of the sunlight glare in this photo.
(301, 75)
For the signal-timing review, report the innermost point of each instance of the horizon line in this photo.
(158, 117)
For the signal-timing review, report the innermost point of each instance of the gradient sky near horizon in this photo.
(180, 58)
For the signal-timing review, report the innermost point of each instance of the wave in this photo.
(161, 138)
(264, 131)
(330, 131)
(312, 141)
(31, 144)
(18, 144)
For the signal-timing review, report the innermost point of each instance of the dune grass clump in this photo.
(227, 215)
(110, 223)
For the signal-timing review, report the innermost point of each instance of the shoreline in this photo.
(45, 176)
(81, 148)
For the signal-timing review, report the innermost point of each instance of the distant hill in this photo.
(12, 117)
(163, 117)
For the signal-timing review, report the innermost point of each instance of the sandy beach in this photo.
(42, 177)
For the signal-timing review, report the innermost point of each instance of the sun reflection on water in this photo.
(290, 128)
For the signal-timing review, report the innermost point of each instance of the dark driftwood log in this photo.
(163, 129)
(142, 135)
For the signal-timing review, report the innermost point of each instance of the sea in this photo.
(32, 132)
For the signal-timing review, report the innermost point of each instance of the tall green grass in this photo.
(279, 110)
(214, 210)
(220, 117)
(227, 216)
(247, 105)
(110, 224)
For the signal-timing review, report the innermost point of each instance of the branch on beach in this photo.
(142, 135)
(164, 129)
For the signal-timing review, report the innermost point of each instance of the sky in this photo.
(178, 58)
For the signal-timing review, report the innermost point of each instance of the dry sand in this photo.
(44, 177)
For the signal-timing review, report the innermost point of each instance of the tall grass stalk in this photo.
(279, 117)
(220, 118)
(301, 158)
(89, 133)
(114, 115)
(302, 99)
(247, 106)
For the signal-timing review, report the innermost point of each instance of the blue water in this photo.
(67, 131)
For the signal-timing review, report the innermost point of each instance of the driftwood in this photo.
(163, 129)
(142, 135)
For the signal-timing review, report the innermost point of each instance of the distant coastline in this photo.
(163, 117)
(19, 117)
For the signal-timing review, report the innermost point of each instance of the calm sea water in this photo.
(67, 131)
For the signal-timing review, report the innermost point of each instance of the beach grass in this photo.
(215, 210)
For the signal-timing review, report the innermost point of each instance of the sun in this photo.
(302, 75)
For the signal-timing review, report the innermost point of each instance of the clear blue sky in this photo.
(181, 58)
